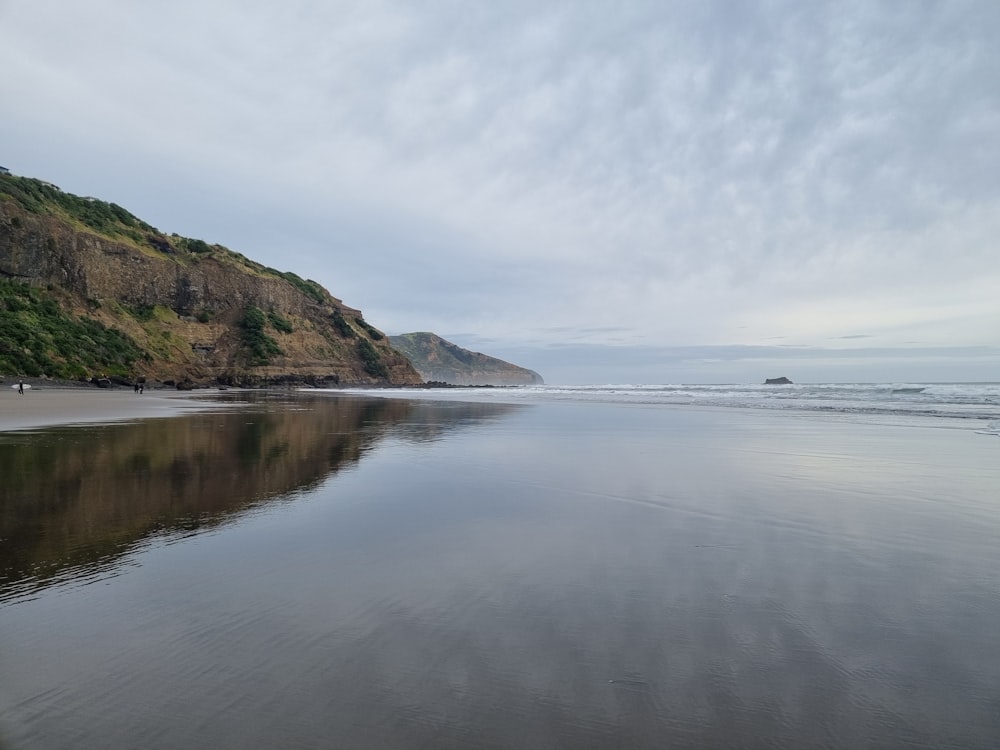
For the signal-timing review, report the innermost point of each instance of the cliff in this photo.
(189, 311)
(442, 361)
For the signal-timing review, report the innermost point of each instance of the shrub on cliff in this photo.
(371, 330)
(283, 325)
(260, 348)
(371, 359)
(342, 326)
(195, 246)
(142, 313)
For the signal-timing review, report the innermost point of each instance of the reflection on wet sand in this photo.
(569, 575)
(73, 498)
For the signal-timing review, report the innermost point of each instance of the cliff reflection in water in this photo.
(74, 499)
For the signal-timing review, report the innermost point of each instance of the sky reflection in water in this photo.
(357, 572)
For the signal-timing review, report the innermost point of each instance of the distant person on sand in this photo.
(20, 387)
(141, 385)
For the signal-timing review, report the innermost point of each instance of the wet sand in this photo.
(50, 406)
(354, 572)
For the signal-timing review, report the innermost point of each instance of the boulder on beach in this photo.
(778, 381)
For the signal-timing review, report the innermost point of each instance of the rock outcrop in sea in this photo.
(778, 381)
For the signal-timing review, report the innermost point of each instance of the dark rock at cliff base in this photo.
(778, 381)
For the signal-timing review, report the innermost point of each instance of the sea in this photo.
(977, 402)
(614, 566)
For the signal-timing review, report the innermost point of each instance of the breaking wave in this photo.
(977, 401)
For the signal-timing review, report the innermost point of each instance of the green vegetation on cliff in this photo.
(372, 360)
(38, 338)
(371, 330)
(113, 221)
(281, 324)
(308, 287)
(341, 325)
(260, 347)
(41, 198)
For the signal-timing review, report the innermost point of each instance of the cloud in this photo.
(682, 174)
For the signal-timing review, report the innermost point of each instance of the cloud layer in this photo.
(537, 177)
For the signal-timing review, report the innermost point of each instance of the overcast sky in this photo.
(600, 191)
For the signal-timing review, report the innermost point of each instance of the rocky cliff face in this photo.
(188, 305)
(442, 361)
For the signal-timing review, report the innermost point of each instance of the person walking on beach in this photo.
(20, 387)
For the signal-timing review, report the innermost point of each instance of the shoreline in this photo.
(55, 405)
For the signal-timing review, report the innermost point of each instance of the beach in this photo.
(45, 405)
(329, 569)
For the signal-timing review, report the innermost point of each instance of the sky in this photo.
(627, 192)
